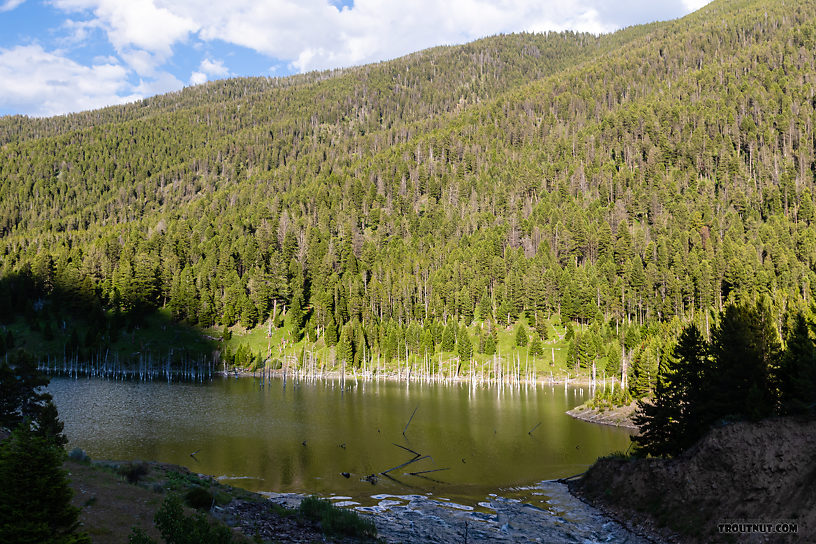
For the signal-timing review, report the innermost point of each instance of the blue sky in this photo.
(61, 56)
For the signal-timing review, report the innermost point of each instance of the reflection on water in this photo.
(319, 438)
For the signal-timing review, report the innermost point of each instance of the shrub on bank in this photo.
(336, 521)
(134, 472)
(176, 528)
(79, 456)
(199, 498)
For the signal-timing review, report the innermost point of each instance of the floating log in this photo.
(414, 460)
(427, 471)
(409, 420)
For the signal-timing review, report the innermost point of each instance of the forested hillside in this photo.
(619, 185)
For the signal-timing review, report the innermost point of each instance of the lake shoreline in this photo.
(618, 416)
(335, 375)
(106, 496)
(488, 507)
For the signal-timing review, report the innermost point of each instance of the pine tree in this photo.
(672, 420)
(413, 336)
(35, 500)
(521, 335)
(426, 347)
(344, 348)
(797, 370)
(20, 390)
(49, 426)
(464, 347)
(449, 337)
(536, 348)
(541, 326)
(490, 344)
(295, 316)
(390, 348)
(485, 306)
(745, 348)
(331, 331)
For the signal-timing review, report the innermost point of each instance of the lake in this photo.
(304, 436)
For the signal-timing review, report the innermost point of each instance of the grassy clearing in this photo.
(271, 350)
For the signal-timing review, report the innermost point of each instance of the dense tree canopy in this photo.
(625, 182)
(742, 372)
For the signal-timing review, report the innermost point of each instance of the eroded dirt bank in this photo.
(763, 471)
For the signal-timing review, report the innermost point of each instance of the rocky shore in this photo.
(558, 517)
(545, 512)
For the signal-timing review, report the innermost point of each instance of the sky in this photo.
(62, 56)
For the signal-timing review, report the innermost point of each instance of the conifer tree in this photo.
(449, 337)
(21, 394)
(536, 348)
(797, 370)
(295, 316)
(464, 347)
(541, 327)
(35, 500)
(745, 348)
(49, 426)
(672, 419)
(344, 348)
(521, 335)
(426, 347)
(331, 331)
(485, 306)
(390, 348)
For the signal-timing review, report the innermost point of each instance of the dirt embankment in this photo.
(762, 472)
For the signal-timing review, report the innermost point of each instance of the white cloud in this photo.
(78, 31)
(207, 69)
(142, 62)
(135, 24)
(45, 83)
(301, 34)
(41, 82)
(9, 5)
(316, 34)
(214, 67)
(161, 82)
(197, 78)
(694, 5)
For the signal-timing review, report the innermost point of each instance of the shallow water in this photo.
(545, 513)
(303, 437)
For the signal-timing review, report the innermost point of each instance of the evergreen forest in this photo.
(568, 201)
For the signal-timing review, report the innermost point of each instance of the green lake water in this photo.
(303, 437)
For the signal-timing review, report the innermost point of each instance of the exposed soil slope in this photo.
(762, 471)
